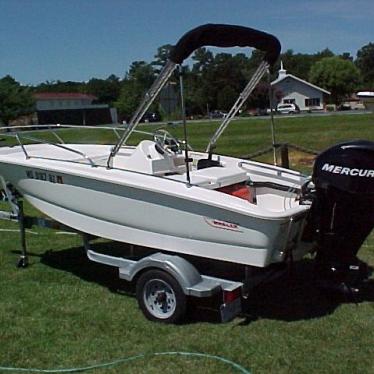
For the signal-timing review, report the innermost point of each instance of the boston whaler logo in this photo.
(222, 224)
(353, 172)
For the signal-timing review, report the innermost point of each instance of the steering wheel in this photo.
(167, 141)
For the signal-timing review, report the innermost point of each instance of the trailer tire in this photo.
(160, 297)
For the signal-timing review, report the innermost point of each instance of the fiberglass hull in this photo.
(155, 212)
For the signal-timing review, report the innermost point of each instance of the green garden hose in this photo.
(126, 360)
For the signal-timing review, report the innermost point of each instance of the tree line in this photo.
(212, 81)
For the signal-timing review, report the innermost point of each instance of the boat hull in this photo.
(154, 219)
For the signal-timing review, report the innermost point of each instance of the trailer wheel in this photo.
(160, 297)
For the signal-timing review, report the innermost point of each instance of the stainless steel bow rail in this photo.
(20, 135)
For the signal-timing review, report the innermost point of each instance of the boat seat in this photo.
(214, 177)
(222, 176)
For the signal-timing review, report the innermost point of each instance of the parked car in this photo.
(217, 114)
(351, 105)
(344, 106)
(151, 117)
(261, 112)
(288, 109)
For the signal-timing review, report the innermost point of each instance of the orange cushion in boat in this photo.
(239, 190)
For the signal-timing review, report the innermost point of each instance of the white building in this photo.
(297, 91)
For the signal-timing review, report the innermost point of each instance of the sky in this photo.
(49, 40)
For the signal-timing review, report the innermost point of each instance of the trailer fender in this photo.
(183, 271)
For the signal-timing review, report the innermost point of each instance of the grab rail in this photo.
(61, 143)
(54, 144)
(22, 146)
(270, 167)
(57, 126)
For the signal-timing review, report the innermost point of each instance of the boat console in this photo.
(150, 157)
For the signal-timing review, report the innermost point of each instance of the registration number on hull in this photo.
(44, 176)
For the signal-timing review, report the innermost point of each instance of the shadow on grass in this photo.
(288, 298)
(74, 260)
(296, 297)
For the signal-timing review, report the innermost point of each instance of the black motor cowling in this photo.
(343, 208)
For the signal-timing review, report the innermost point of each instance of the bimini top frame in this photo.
(208, 35)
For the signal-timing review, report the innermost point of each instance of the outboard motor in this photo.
(343, 210)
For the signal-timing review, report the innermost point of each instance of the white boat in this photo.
(144, 199)
(147, 195)
(162, 195)
(368, 99)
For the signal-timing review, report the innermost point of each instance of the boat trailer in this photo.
(163, 281)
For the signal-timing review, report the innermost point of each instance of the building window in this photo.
(316, 101)
(289, 101)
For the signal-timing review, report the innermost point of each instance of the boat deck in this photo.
(145, 160)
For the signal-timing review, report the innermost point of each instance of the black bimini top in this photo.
(225, 36)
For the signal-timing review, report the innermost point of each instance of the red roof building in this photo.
(62, 100)
(72, 108)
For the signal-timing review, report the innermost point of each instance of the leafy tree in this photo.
(346, 56)
(244, 68)
(365, 62)
(15, 100)
(203, 59)
(226, 97)
(256, 58)
(60, 86)
(297, 64)
(216, 80)
(322, 54)
(137, 81)
(337, 75)
(197, 91)
(161, 57)
(300, 64)
(106, 90)
(260, 96)
(225, 78)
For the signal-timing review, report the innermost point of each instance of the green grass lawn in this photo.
(64, 311)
